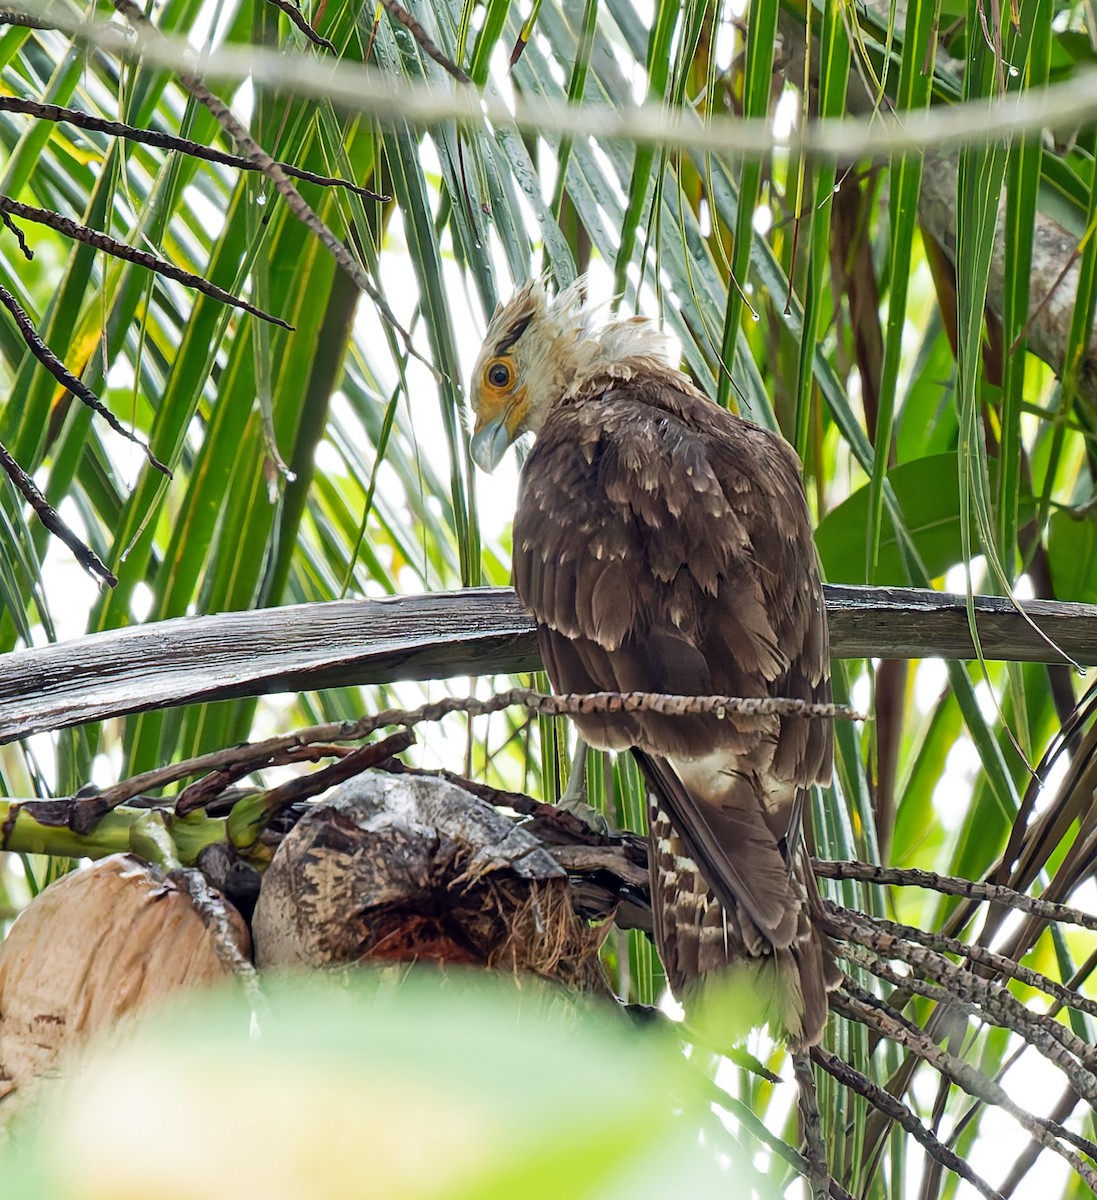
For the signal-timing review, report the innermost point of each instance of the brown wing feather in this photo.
(664, 545)
(649, 513)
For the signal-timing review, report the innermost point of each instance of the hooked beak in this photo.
(489, 444)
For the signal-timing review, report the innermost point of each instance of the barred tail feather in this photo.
(785, 991)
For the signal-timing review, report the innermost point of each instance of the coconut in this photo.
(101, 943)
(410, 868)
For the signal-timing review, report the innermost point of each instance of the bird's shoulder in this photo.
(662, 543)
(648, 434)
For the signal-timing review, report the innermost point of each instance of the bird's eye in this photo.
(499, 375)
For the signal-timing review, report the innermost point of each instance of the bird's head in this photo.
(540, 349)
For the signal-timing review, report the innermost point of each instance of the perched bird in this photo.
(662, 544)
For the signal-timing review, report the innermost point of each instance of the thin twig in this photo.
(205, 790)
(51, 518)
(143, 258)
(259, 754)
(1063, 1108)
(1061, 105)
(1024, 1162)
(749, 1120)
(951, 885)
(12, 16)
(209, 788)
(972, 1081)
(998, 963)
(17, 233)
(426, 43)
(897, 1111)
(298, 18)
(68, 380)
(581, 704)
(977, 998)
(304, 787)
(961, 985)
(814, 1144)
(148, 35)
(168, 141)
(252, 813)
(252, 816)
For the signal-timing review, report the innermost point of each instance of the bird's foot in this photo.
(574, 799)
(578, 808)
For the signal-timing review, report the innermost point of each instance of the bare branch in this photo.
(606, 702)
(812, 1121)
(14, 16)
(300, 21)
(148, 35)
(17, 233)
(168, 141)
(237, 761)
(998, 963)
(974, 1082)
(949, 986)
(66, 378)
(950, 885)
(1062, 105)
(896, 1110)
(51, 518)
(115, 248)
(251, 816)
(399, 13)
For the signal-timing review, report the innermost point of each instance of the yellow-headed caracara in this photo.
(664, 545)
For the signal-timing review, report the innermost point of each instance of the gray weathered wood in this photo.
(918, 623)
(479, 631)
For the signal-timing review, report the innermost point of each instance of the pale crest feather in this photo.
(600, 345)
(565, 342)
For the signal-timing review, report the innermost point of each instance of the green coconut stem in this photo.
(42, 827)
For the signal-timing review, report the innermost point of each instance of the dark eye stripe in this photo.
(513, 334)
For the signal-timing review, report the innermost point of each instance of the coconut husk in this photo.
(99, 944)
(415, 869)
